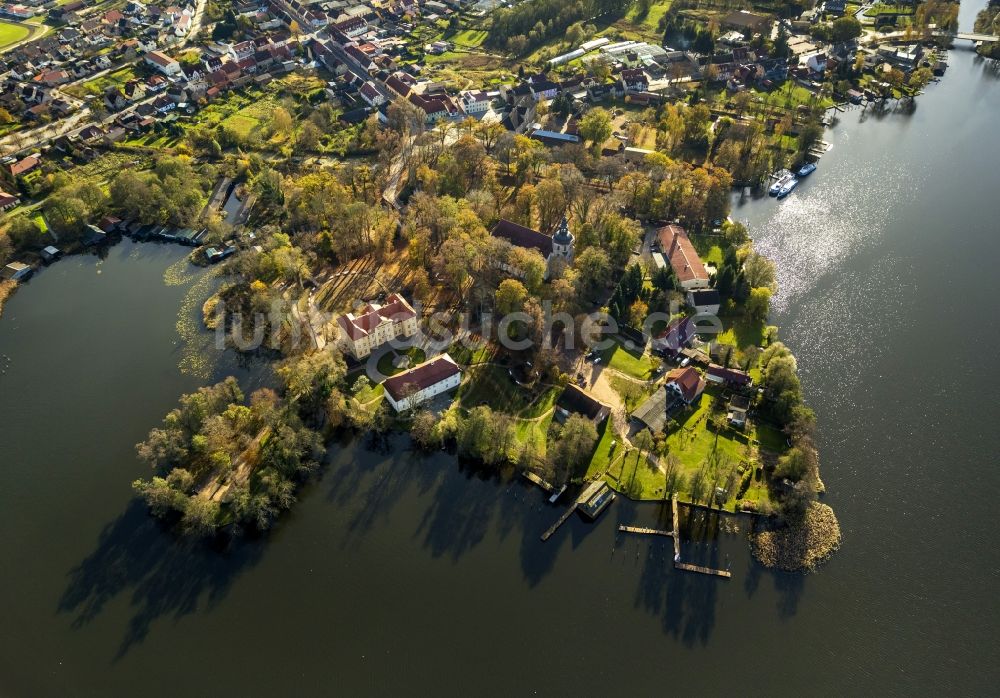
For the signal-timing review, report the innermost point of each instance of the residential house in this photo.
(375, 325)
(728, 376)
(704, 301)
(163, 63)
(421, 383)
(685, 383)
(24, 166)
(371, 95)
(747, 23)
(677, 335)
(8, 201)
(683, 258)
(476, 101)
(436, 106)
(577, 401)
(633, 80)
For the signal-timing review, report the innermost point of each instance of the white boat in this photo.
(787, 187)
(780, 183)
(807, 169)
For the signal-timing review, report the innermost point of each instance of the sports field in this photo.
(11, 33)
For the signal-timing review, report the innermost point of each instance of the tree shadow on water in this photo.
(162, 574)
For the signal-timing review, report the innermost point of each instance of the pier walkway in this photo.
(560, 521)
(676, 535)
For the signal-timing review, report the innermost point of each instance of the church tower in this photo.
(562, 241)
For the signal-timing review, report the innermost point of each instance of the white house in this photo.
(371, 94)
(375, 325)
(476, 101)
(683, 258)
(816, 62)
(163, 63)
(420, 383)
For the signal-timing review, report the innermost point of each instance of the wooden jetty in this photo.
(677, 529)
(644, 531)
(676, 535)
(703, 570)
(560, 521)
(532, 477)
(594, 499)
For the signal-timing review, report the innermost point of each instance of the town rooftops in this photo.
(396, 309)
(421, 377)
(520, 236)
(681, 253)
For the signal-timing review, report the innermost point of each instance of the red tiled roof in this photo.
(396, 309)
(160, 58)
(681, 253)
(421, 377)
(689, 381)
(729, 375)
(26, 165)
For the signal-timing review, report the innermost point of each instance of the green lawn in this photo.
(632, 394)
(12, 33)
(370, 393)
(651, 21)
(881, 8)
(467, 356)
(603, 452)
(241, 124)
(470, 38)
(385, 365)
(97, 86)
(741, 332)
(490, 385)
(534, 432)
(630, 361)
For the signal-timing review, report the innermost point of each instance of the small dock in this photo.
(561, 520)
(594, 499)
(535, 478)
(677, 529)
(676, 535)
(644, 531)
(703, 570)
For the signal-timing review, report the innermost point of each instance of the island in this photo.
(503, 230)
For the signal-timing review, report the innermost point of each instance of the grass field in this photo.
(631, 362)
(385, 363)
(469, 38)
(98, 85)
(12, 33)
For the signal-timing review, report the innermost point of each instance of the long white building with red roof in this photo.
(683, 258)
(374, 325)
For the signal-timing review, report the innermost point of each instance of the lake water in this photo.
(397, 573)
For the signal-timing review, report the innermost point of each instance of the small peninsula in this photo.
(503, 230)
